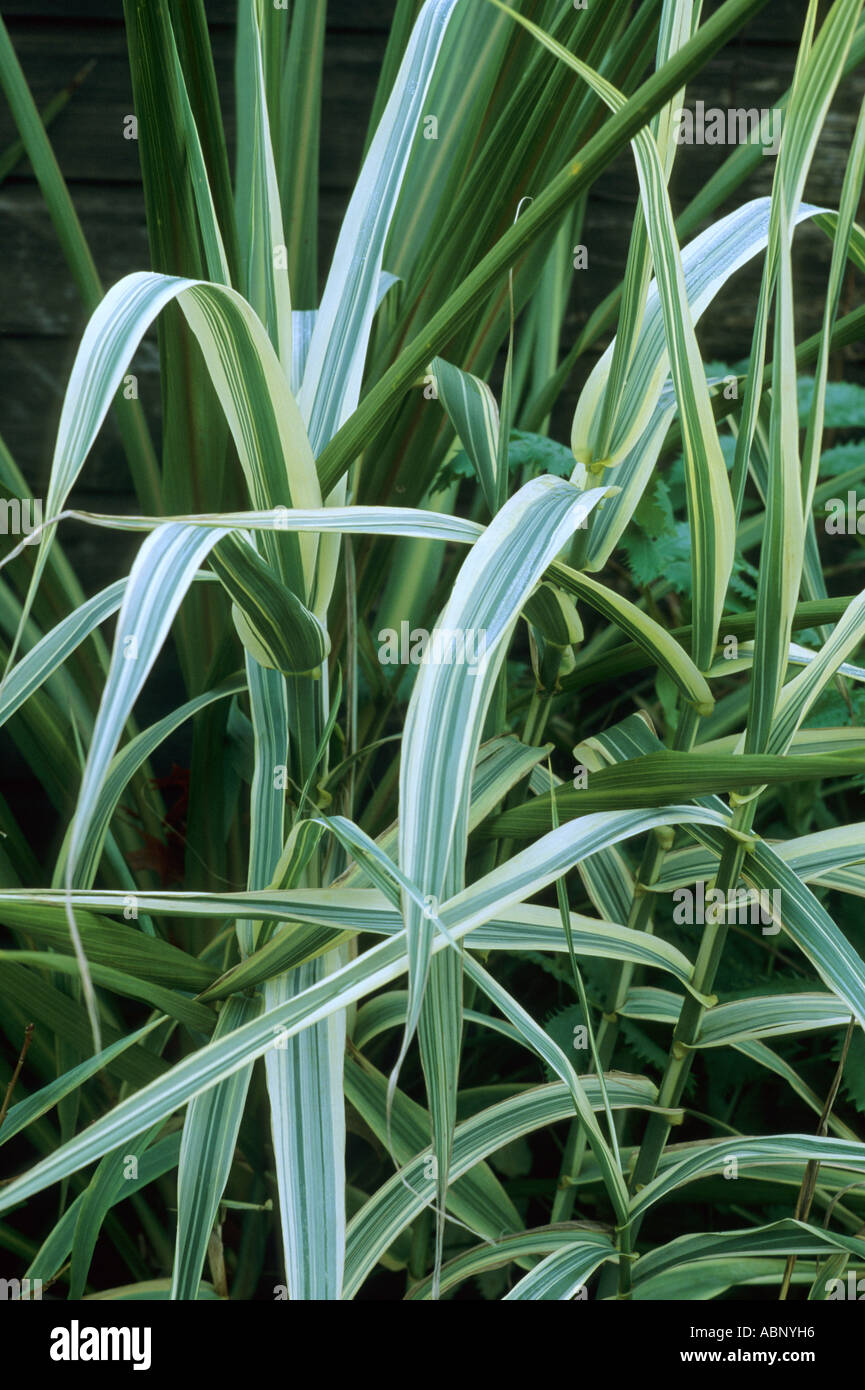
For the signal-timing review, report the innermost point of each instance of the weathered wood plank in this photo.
(88, 136)
(37, 294)
(779, 22)
(351, 15)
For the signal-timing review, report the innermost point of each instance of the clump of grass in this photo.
(448, 758)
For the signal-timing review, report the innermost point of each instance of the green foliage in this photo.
(660, 546)
(529, 454)
(845, 403)
(400, 875)
(854, 1072)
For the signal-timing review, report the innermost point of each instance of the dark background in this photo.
(41, 317)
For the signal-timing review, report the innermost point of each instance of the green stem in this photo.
(639, 919)
(687, 1029)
